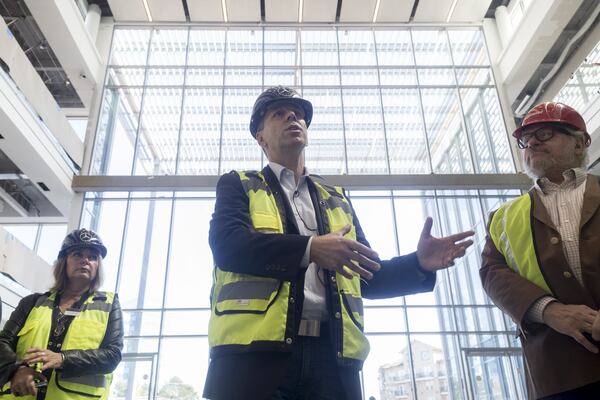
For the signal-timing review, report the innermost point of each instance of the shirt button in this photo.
(554, 240)
(58, 345)
(338, 315)
(567, 274)
(333, 279)
(292, 300)
(289, 340)
(339, 354)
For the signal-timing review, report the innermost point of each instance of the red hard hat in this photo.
(557, 113)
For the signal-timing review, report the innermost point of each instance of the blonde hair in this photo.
(61, 280)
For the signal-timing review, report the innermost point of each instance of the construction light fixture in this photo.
(147, 8)
(224, 6)
(376, 11)
(452, 7)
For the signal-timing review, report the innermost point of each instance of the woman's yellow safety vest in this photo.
(86, 332)
(510, 230)
(250, 311)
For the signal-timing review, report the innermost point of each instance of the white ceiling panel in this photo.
(128, 10)
(470, 10)
(319, 10)
(432, 10)
(205, 10)
(166, 10)
(281, 10)
(394, 10)
(243, 10)
(357, 10)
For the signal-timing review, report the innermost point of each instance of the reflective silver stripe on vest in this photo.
(336, 201)
(355, 303)
(247, 290)
(99, 306)
(98, 381)
(254, 183)
(44, 301)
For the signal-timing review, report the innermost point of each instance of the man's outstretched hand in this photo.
(439, 253)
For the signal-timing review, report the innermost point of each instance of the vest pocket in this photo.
(354, 308)
(88, 334)
(247, 296)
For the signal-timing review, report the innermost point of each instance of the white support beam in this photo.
(32, 149)
(128, 10)
(281, 10)
(243, 10)
(319, 11)
(356, 182)
(432, 10)
(357, 10)
(166, 10)
(539, 29)
(394, 10)
(63, 26)
(205, 10)
(37, 94)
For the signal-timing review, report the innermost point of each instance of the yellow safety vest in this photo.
(248, 310)
(510, 230)
(85, 332)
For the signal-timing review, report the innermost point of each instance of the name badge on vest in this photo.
(72, 312)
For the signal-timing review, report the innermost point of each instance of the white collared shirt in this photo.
(563, 202)
(298, 195)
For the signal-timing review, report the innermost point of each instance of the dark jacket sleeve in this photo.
(103, 360)
(9, 361)
(237, 247)
(399, 276)
(508, 290)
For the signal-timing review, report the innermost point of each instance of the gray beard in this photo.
(559, 164)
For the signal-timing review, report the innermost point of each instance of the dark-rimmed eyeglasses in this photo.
(541, 134)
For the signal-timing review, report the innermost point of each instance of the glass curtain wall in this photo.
(411, 101)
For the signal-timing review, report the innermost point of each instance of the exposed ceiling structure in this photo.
(563, 47)
(31, 39)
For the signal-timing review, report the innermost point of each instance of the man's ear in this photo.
(261, 140)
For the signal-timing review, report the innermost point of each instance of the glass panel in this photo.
(206, 47)
(239, 150)
(125, 76)
(356, 47)
(26, 234)
(141, 323)
(107, 218)
(281, 47)
(387, 371)
(493, 376)
(180, 380)
(398, 77)
(384, 319)
(431, 47)
(436, 76)
(141, 282)
(394, 47)
(321, 76)
(186, 322)
(244, 47)
(474, 76)
(204, 77)
(377, 223)
(51, 238)
(168, 47)
(79, 125)
(468, 47)
(319, 48)
(326, 151)
(282, 76)
(117, 130)
(130, 46)
(133, 379)
(190, 263)
(447, 141)
(165, 77)
(364, 132)
(243, 76)
(355, 76)
(407, 146)
(200, 132)
(159, 132)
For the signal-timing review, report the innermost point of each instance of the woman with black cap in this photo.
(64, 344)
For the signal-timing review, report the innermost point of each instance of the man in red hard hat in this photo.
(541, 261)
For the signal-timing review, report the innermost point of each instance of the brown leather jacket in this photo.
(554, 362)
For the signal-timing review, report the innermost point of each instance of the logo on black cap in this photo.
(85, 236)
